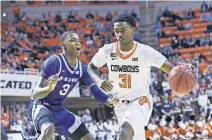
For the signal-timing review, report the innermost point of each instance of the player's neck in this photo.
(71, 60)
(126, 48)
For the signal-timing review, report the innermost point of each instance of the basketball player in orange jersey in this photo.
(129, 64)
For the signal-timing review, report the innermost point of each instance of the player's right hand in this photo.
(52, 80)
(106, 86)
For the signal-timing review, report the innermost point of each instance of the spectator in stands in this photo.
(209, 28)
(176, 16)
(90, 15)
(101, 130)
(180, 26)
(158, 105)
(203, 101)
(190, 14)
(175, 43)
(204, 17)
(92, 129)
(210, 17)
(166, 13)
(162, 21)
(210, 8)
(187, 110)
(97, 17)
(171, 21)
(204, 7)
(208, 77)
(71, 17)
(134, 14)
(188, 26)
(158, 86)
(191, 41)
(16, 12)
(184, 43)
(197, 42)
(58, 17)
(176, 110)
(206, 41)
(86, 117)
(166, 108)
(157, 26)
(160, 33)
(159, 14)
(108, 127)
(23, 64)
(109, 16)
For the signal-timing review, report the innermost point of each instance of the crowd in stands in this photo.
(189, 28)
(184, 37)
(31, 40)
(16, 119)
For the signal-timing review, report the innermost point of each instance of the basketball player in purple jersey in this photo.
(59, 75)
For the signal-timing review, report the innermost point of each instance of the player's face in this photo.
(73, 45)
(124, 32)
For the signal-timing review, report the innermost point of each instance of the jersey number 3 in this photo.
(64, 89)
(126, 80)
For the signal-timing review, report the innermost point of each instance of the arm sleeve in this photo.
(154, 58)
(86, 80)
(50, 67)
(100, 58)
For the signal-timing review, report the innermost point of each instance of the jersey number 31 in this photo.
(126, 80)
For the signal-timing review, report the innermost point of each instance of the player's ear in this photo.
(63, 47)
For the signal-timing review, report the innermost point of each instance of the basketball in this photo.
(182, 78)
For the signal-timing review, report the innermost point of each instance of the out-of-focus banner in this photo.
(17, 85)
(22, 85)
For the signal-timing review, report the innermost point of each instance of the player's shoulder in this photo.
(108, 47)
(52, 59)
(83, 65)
(145, 48)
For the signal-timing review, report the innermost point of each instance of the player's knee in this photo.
(126, 132)
(48, 129)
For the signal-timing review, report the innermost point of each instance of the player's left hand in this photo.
(111, 101)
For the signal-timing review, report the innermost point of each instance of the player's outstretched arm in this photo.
(103, 84)
(101, 97)
(98, 94)
(44, 87)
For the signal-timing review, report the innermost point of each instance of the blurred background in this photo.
(181, 31)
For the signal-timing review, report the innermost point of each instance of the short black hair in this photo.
(126, 18)
(65, 35)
